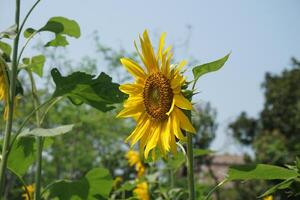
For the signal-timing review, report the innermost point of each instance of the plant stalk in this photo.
(39, 140)
(10, 100)
(190, 165)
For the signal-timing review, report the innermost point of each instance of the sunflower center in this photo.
(158, 96)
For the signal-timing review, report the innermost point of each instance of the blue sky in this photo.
(262, 36)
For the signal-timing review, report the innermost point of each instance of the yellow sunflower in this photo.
(134, 160)
(270, 197)
(141, 191)
(30, 189)
(155, 99)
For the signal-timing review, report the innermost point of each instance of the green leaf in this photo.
(202, 152)
(5, 49)
(28, 32)
(280, 186)
(209, 67)
(36, 64)
(62, 25)
(96, 184)
(260, 172)
(79, 87)
(22, 155)
(176, 162)
(59, 40)
(9, 33)
(42, 132)
(128, 186)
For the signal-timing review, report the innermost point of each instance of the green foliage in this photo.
(22, 155)
(36, 64)
(42, 132)
(5, 50)
(96, 184)
(260, 172)
(80, 87)
(200, 70)
(61, 27)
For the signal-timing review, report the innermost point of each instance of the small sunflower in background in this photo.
(155, 99)
(141, 191)
(270, 197)
(29, 195)
(133, 158)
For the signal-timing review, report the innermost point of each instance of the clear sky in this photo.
(262, 36)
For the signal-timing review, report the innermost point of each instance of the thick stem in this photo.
(10, 100)
(39, 140)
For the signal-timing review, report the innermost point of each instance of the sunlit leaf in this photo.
(96, 184)
(59, 40)
(260, 172)
(200, 70)
(99, 92)
(42, 132)
(28, 32)
(36, 64)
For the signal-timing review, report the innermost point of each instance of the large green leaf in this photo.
(61, 27)
(202, 152)
(36, 64)
(42, 132)
(96, 184)
(260, 172)
(209, 67)
(22, 155)
(79, 87)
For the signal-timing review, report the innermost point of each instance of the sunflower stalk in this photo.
(10, 100)
(190, 163)
(39, 140)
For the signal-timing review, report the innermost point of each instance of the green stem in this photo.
(39, 140)
(190, 165)
(10, 99)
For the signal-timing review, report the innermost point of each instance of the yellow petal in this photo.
(142, 126)
(165, 135)
(185, 123)
(133, 68)
(182, 102)
(161, 46)
(131, 88)
(153, 138)
(176, 128)
(131, 111)
(173, 145)
(133, 101)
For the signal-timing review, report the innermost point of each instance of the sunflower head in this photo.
(133, 158)
(155, 98)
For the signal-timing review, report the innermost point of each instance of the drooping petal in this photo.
(139, 131)
(153, 138)
(165, 135)
(182, 102)
(185, 123)
(176, 128)
(133, 68)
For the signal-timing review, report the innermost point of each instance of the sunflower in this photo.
(141, 191)
(155, 99)
(30, 189)
(134, 159)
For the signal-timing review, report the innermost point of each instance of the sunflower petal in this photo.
(185, 123)
(176, 128)
(131, 88)
(131, 111)
(182, 102)
(133, 68)
(161, 46)
(153, 140)
(165, 135)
